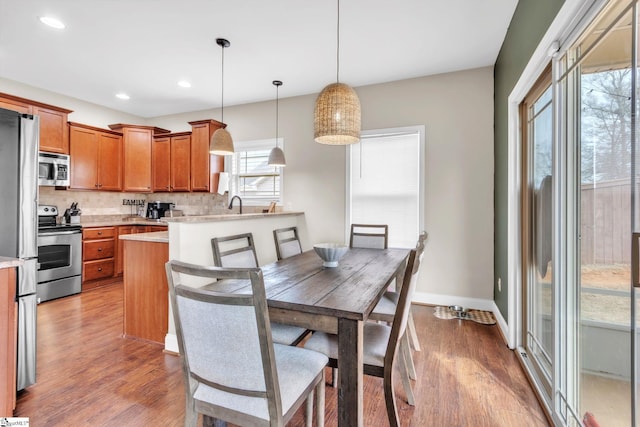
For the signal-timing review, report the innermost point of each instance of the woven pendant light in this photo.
(337, 112)
(221, 142)
(276, 156)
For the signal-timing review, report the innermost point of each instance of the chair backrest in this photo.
(374, 236)
(237, 251)
(401, 316)
(287, 242)
(225, 339)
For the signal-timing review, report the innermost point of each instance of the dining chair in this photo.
(239, 251)
(381, 344)
(287, 242)
(233, 370)
(372, 236)
(386, 308)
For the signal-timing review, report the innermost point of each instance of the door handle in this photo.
(635, 261)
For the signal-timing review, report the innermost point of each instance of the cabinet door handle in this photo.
(99, 249)
(99, 268)
(99, 233)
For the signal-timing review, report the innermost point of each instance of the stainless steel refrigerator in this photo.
(19, 142)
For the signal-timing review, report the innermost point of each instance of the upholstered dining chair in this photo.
(233, 370)
(375, 236)
(287, 242)
(381, 343)
(386, 308)
(239, 251)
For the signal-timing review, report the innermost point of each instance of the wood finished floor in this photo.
(88, 375)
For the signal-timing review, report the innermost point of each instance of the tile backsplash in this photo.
(108, 203)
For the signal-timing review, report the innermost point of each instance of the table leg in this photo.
(350, 335)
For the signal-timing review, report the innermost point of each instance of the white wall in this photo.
(83, 112)
(457, 112)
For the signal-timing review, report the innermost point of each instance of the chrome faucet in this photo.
(239, 200)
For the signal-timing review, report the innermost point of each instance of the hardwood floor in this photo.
(88, 375)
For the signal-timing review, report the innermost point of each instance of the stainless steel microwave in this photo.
(53, 169)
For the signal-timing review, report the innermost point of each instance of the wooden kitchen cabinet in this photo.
(171, 165)
(96, 158)
(205, 167)
(98, 256)
(131, 229)
(137, 143)
(54, 135)
(8, 341)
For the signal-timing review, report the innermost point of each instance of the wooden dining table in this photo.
(337, 300)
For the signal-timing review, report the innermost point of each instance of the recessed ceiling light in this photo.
(184, 83)
(52, 22)
(122, 96)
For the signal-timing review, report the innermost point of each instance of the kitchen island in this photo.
(146, 303)
(145, 285)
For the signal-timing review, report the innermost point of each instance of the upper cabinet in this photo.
(171, 162)
(54, 134)
(205, 167)
(137, 142)
(96, 158)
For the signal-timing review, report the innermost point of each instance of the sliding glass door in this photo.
(537, 237)
(580, 210)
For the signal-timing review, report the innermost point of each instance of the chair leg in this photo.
(406, 383)
(406, 351)
(320, 390)
(309, 410)
(411, 327)
(334, 377)
(190, 414)
(390, 397)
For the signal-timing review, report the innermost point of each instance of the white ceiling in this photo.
(144, 47)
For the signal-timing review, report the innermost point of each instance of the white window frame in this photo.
(420, 130)
(253, 145)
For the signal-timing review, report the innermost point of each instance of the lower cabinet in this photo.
(131, 229)
(98, 256)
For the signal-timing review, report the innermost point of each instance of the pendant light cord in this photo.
(277, 111)
(338, 46)
(222, 107)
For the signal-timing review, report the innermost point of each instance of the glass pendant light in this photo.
(221, 142)
(337, 111)
(276, 156)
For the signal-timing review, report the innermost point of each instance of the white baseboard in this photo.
(475, 303)
(171, 343)
(446, 300)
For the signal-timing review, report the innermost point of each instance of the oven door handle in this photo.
(59, 233)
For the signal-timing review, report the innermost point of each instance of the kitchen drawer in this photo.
(98, 232)
(100, 269)
(98, 249)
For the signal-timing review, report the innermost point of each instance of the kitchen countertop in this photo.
(6, 262)
(116, 222)
(154, 237)
(229, 217)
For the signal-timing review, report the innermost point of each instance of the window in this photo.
(251, 178)
(386, 174)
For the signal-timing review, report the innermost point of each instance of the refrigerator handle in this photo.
(635, 259)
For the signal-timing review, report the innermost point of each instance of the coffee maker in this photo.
(156, 210)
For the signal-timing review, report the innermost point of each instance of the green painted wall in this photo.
(530, 21)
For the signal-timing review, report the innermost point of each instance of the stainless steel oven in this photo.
(59, 257)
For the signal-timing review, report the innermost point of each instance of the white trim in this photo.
(171, 343)
(562, 27)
